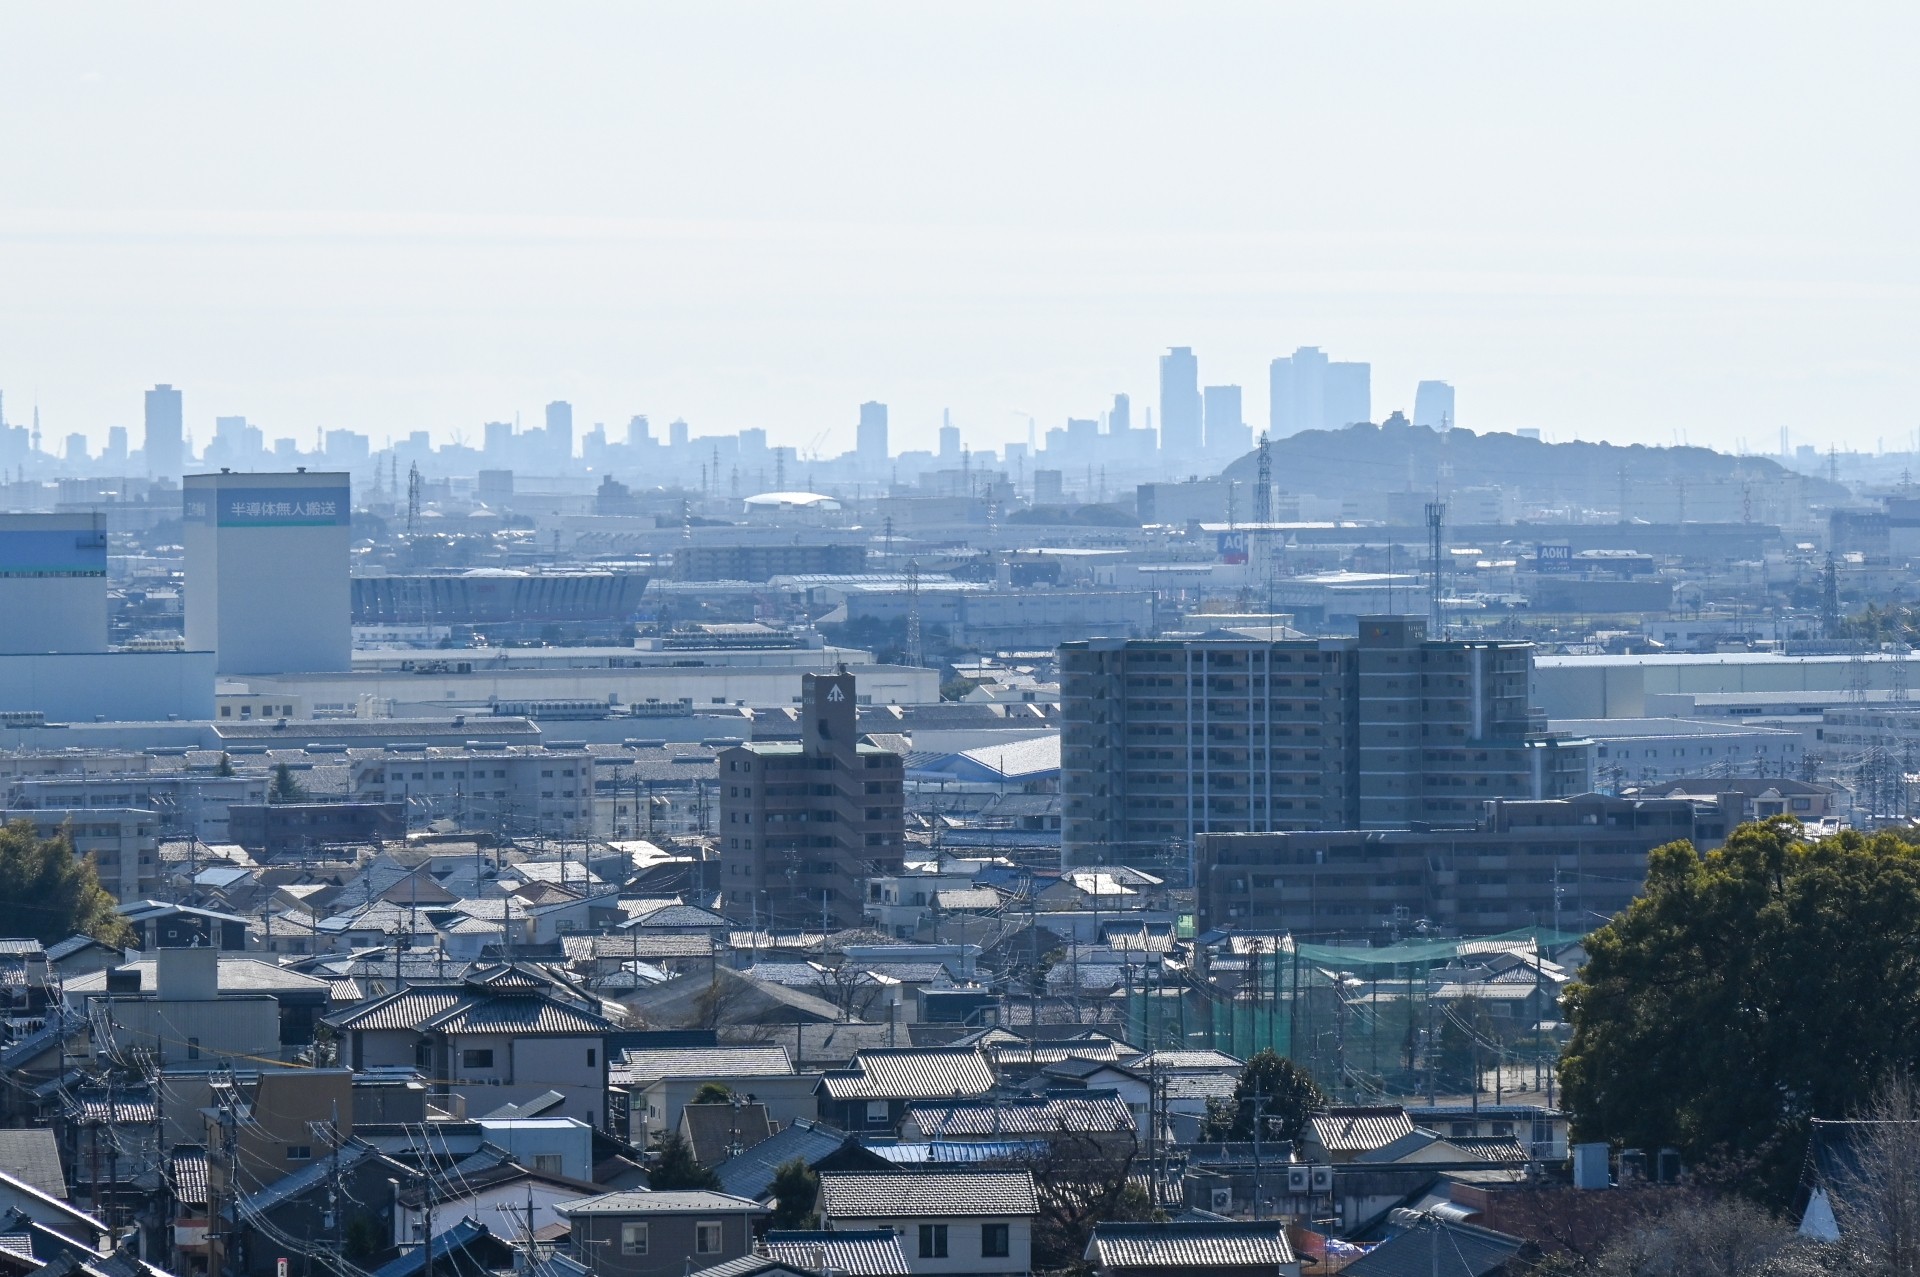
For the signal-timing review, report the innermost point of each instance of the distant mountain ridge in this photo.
(1369, 460)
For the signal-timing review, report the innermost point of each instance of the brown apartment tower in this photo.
(803, 824)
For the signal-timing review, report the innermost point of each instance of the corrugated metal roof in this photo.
(1358, 1129)
(912, 1074)
(911, 1194)
(855, 1252)
(1227, 1244)
(751, 1173)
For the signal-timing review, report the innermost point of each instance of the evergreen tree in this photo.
(1745, 993)
(285, 789)
(49, 893)
(1273, 1088)
(795, 1190)
(677, 1167)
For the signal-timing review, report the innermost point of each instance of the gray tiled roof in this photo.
(911, 1194)
(640, 1202)
(518, 1014)
(1358, 1129)
(32, 1154)
(856, 1252)
(647, 1064)
(1084, 1111)
(910, 1073)
(1227, 1244)
(1461, 1250)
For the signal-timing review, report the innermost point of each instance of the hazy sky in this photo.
(1604, 220)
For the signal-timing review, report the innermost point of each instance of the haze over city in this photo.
(1635, 224)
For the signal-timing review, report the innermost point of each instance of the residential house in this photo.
(660, 1234)
(979, 1223)
(1097, 1118)
(1344, 1132)
(874, 1091)
(489, 1042)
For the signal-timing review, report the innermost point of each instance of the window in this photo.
(994, 1241)
(633, 1239)
(593, 1057)
(877, 1113)
(706, 1237)
(299, 1152)
(547, 1163)
(933, 1241)
(193, 1048)
(477, 1059)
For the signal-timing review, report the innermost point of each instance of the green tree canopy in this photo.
(1746, 992)
(285, 789)
(796, 1187)
(677, 1167)
(1272, 1089)
(713, 1093)
(48, 892)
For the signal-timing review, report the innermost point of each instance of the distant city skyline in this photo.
(1595, 230)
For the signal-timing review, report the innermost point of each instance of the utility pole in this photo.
(1436, 522)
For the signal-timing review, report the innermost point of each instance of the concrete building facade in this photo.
(1562, 863)
(804, 824)
(1165, 740)
(267, 570)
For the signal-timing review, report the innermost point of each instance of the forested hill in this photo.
(1370, 461)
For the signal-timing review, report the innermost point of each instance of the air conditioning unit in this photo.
(1299, 1179)
(1221, 1201)
(1323, 1179)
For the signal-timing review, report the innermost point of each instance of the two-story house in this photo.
(659, 1234)
(974, 1222)
(489, 1042)
(872, 1094)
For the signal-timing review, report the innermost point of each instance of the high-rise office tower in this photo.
(1120, 420)
(639, 432)
(677, 432)
(560, 429)
(116, 449)
(1433, 406)
(75, 449)
(1180, 411)
(166, 429)
(1227, 432)
(1348, 394)
(266, 570)
(497, 440)
(1308, 391)
(949, 443)
(870, 440)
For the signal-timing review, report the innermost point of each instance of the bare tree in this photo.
(1873, 1165)
(1699, 1236)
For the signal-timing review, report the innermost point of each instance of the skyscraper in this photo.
(1180, 411)
(560, 429)
(1433, 406)
(1227, 433)
(1308, 391)
(166, 429)
(870, 440)
(639, 432)
(1348, 395)
(949, 443)
(1120, 420)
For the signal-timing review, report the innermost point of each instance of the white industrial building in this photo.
(1644, 751)
(54, 660)
(268, 590)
